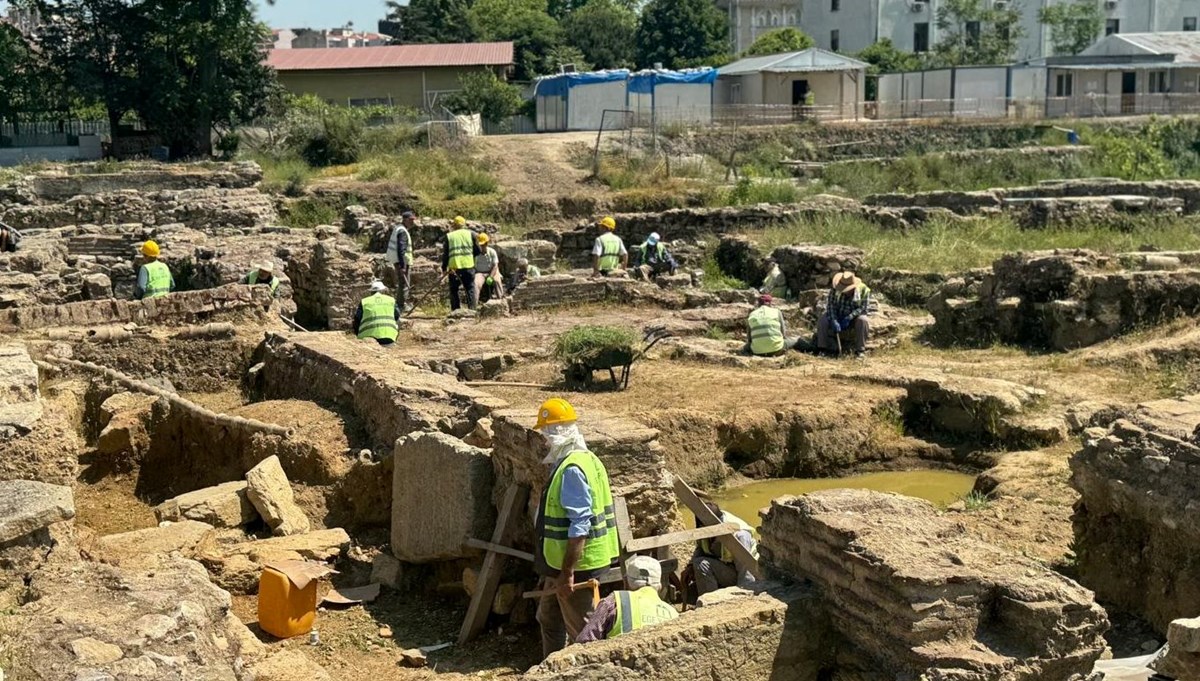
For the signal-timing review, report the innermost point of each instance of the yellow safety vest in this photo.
(766, 331)
(610, 254)
(253, 279)
(602, 548)
(379, 318)
(637, 609)
(776, 284)
(158, 280)
(706, 545)
(462, 249)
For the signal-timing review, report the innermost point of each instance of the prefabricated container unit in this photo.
(658, 97)
(577, 101)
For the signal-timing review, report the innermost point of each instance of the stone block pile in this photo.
(913, 596)
(810, 267)
(1137, 523)
(1062, 299)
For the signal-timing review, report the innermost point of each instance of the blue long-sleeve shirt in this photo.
(577, 500)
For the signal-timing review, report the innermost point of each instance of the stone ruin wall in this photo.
(1137, 523)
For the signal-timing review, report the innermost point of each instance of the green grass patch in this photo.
(288, 175)
(308, 213)
(716, 280)
(954, 246)
(937, 172)
(748, 192)
(584, 343)
(976, 501)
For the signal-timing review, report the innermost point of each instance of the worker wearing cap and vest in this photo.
(487, 271)
(766, 330)
(608, 253)
(458, 263)
(154, 278)
(400, 254)
(713, 565)
(378, 316)
(576, 526)
(263, 274)
(654, 258)
(623, 612)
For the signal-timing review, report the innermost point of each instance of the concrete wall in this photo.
(981, 92)
(405, 87)
(88, 150)
(586, 104)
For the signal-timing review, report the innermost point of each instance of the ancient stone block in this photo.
(271, 493)
(1137, 524)
(775, 636)
(441, 495)
(27, 507)
(20, 402)
(135, 548)
(955, 606)
(812, 266)
(540, 254)
(386, 570)
(89, 651)
(237, 567)
(225, 505)
(97, 286)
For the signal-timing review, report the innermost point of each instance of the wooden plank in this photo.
(614, 576)
(497, 548)
(684, 537)
(624, 532)
(741, 557)
(493, 565)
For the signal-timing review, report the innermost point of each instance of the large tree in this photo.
(431, 21)
(1074, 26)
(534, 33)
(28, 89)
(779, 41)
(681, 33)
(977, 32)
(604, 30)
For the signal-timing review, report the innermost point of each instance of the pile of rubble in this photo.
(1137, 524)
(1065, 299)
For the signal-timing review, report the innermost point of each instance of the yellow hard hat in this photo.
(554, 411)
(483, 238)
(460, 221)
(607, 223)
(150, 249)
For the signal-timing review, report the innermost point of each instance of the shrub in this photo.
(749, 192)
(288, 176)
(485, 94)
(336, 141)
(471, 182)
(308, 213)
(584, 343)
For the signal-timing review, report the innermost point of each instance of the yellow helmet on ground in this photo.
(482, 238)
(460, 221)
(555, 411)
(607, 223)
(150, 249)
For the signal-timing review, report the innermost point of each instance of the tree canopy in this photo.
(604, 31)
(533, 32)
(779, 41)
(485, 94)
(977, 32)
(430, 21)
(1074, 26)
(682, 33)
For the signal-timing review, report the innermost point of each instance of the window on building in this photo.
(974, 31)
(921, 37)
(1189, 23)
(835, 40)
(1112, 26)
(1064, 85)
(835, 5)
(1159, 83)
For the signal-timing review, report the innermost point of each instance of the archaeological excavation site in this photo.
(1005, 485)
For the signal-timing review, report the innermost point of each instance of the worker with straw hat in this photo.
(459, 250)
(576, 526)
(846, 310)
(154, 278)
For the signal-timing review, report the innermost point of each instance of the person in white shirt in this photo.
(487, 270)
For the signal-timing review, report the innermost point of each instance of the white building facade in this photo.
(849, 26)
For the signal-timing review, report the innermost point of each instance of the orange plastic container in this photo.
(284, 610)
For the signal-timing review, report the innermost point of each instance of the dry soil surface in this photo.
(527, 166)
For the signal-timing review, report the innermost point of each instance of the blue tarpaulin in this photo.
(557, 86)
(644, 82)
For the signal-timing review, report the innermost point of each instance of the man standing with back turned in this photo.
(400, 255)
(458, 262)
(576, 526)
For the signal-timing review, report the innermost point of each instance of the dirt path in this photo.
(532, 166)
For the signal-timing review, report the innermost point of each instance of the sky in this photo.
(314, 13)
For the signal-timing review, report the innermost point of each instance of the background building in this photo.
(836, 82)
(399, 75)
(749, 19)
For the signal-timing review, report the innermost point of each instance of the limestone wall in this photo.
(189, 307)
(1137, 524)
(914, 596)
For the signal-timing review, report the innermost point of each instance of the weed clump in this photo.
(584, 344)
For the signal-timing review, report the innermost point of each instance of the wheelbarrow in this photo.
(580, 372)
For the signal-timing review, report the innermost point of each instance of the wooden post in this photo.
(493, 565)
(741, 557)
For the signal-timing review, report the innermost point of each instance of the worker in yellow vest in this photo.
(154, 278)
(378, 316)
(766, 330)
(263, 274)
(713, 565)
(622, 612)
(459, 249)
(576, 526)
(609, 252)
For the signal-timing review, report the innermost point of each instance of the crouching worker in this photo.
(263, 275)
(654, 259)
(846, 310)
(576, 527)
(624, 611)
(766, 331)
(378, 316)
(713, 566)
(488, 282)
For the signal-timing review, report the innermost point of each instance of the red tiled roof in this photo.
(391, 57)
